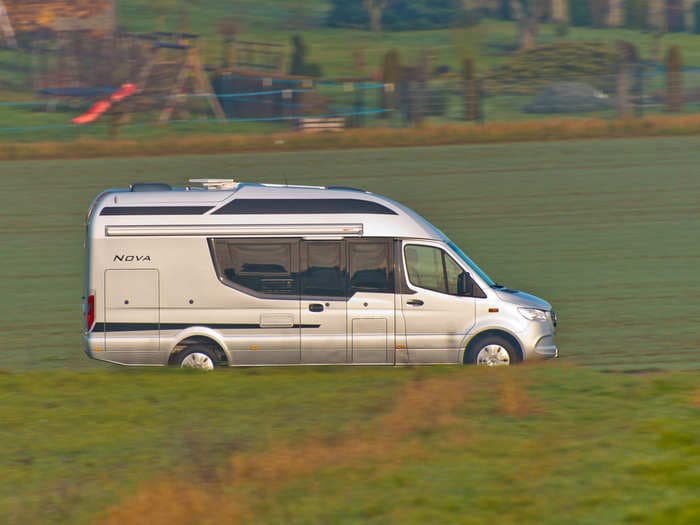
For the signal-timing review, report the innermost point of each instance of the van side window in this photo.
(431, 268)
(370, 265)
(262, 267)
(323, 273)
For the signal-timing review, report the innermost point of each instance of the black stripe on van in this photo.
(302, 206)
(155, 210)
(142, 327)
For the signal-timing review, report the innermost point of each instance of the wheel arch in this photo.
(216, 347)
(493, 332)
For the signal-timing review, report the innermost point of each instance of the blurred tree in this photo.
(581, 13)
(347, 13)
(616, 13)
(527, 13)
(395, 15)
(375, 9)
(637, 14)
(6, 31)
(674, 80)
(560, 11)
(228, 28)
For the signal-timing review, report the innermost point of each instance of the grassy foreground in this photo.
(542, 445)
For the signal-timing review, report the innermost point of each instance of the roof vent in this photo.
(150, 186)
(216, 184)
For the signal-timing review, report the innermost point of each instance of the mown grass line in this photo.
(454, 134)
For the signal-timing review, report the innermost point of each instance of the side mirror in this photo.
(465, 285)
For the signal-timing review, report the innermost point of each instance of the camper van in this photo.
(221, 273)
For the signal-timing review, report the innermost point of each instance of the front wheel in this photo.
(197, 357)
(492, 351)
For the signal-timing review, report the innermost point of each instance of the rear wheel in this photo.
(492, 351)
(197, 357)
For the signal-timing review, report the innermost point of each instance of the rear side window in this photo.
(264, 267)
(370, 265)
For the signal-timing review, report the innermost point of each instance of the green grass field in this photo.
(605, 230)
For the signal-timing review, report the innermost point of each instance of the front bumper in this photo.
(537, 341)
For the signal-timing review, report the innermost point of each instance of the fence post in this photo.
(674, 80)
(472, 99)
(627, 56)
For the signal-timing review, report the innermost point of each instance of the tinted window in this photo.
(370, 266)
(262, 267)
(432, 268)
(303, 206)
(323, 269)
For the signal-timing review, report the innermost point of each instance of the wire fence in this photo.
(281, 104)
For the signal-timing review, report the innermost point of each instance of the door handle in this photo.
(316, 307)
(415, 302)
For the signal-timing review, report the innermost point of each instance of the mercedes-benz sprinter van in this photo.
(243, 274)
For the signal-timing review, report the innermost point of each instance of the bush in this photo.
(402, 15)
(348, 13)
(531, 70)
(580, 13)
(696, 17)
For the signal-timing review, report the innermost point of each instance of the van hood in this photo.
(521, 299)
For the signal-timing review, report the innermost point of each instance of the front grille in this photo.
(554, 317)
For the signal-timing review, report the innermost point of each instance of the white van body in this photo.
(257, 274)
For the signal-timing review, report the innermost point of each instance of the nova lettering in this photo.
(132, 258)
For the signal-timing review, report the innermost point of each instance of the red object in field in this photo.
(125, 91)
(90, 312)
(101, 107)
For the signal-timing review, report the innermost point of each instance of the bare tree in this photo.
(8, 34)
(528, 14)
(560, 11)
(657, 15)
(616, 13)
(689, 14)
(375, 9)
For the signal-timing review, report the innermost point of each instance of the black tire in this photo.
(492, 356)
(199, 357)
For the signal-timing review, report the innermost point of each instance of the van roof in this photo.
(262, 204)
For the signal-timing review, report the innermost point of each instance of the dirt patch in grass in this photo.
(513, 397)
(696, 399)
(423, 406)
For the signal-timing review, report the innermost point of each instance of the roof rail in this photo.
(216, 184)
(346, 188)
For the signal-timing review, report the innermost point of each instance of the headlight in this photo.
(533, 314)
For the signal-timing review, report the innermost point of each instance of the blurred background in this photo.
(271, 65)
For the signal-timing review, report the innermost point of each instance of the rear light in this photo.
(90, 313)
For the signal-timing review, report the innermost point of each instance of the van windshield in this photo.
(471, 264)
